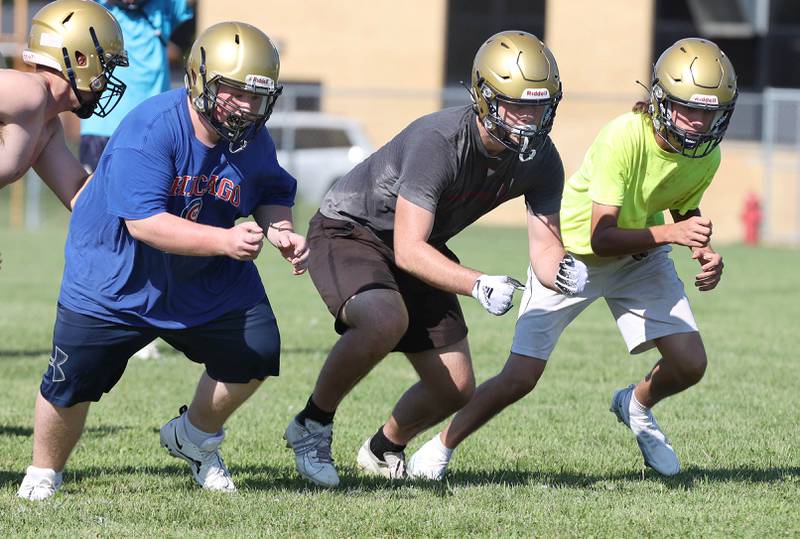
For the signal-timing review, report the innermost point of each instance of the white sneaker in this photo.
(39, 483)
(150, 351)
(653, 443)
(312, 451)
(430, 461)
(208, 468)
(393, 465)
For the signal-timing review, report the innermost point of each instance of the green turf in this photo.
(555, 464)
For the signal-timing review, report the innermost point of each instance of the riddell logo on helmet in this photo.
(535, 93)
(705, 99)
(259, 81)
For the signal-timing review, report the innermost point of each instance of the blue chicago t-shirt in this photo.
(154, 164)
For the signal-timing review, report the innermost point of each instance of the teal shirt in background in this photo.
(146, 32)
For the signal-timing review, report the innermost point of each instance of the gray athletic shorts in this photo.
(644, 294)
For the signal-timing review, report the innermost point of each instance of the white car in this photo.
(317, 149)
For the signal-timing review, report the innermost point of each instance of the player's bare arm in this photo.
(24, 130)
(710, 261)
(175, 235)
(610, 240)
(413, 253)
(59, 169)
(277, 222)
(545, 247)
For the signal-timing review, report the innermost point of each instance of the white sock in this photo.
(443, 450)
(42, 473)
(195, 435)
(637, 409)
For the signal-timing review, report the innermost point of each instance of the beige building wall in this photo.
(379, 61)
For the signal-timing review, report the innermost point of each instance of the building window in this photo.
(471, 22)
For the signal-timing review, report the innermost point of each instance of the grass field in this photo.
(556, 464)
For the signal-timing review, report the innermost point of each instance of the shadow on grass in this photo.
(261, 477)
(685, 480)
(76, 476)
(15, 430)
(269, 478)
(11, 354)
(745, 474)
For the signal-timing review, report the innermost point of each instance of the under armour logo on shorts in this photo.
(56, 360)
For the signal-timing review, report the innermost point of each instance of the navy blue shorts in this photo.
(89, 355)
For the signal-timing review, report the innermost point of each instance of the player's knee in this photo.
(692, 368)
(381, 315)
(697, 368)
(458, 395)
(518, 378)
(518, 388)
(465, 389)
(387, 326)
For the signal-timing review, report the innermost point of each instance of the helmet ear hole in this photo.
(80, 59)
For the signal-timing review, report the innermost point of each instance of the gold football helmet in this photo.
(81, 40)
(515, 68)
(694, 73)
(239, 55)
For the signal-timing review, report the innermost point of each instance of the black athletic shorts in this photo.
(347, 258)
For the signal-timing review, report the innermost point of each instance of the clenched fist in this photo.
(693, 232)
(244, 241)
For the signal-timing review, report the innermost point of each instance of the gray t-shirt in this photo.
(440, 163)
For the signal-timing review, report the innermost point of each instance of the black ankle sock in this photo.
(314, 413)
(380, 444)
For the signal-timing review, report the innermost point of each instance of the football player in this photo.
(74, 47)
(661, 156)
(394, 214)
(153, 250)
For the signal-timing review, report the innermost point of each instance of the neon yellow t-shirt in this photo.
(625, 167)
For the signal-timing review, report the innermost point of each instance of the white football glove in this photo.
(572, 276)
(496, 292)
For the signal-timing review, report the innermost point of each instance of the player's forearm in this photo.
(274, 220)
(614, 241)
(67, 192)
(545, 264)
(174, 235)
(83, 185)
(423, 261)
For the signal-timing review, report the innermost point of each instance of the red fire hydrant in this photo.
(751, 218)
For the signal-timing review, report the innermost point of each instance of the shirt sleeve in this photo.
(281, 187)
(139, 182)
(428, 166)
(544, 198)
(607, 168)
